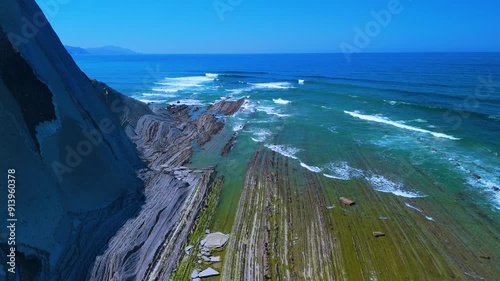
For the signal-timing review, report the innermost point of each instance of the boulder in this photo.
(214, 259)
(208, 273)
(347, 201)
(187, 249)
(216, 240)
(194, 274)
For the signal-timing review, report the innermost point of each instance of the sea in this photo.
(385, 120)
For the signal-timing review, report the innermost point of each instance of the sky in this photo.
(278, 26)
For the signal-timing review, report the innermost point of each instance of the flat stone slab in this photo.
(215, 259)
(208, 273)
(216, 240)
(194, 274)
(188, 248)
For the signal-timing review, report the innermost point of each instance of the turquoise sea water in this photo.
(380, 119)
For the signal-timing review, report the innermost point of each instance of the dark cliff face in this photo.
(21, 82)
(75, 165)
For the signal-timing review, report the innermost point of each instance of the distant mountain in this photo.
(106, 50)
(76, 50)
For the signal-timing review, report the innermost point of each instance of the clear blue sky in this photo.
(275, 26)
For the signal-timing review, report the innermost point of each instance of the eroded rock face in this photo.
(77, 182)
(174, 195)
(101, 180)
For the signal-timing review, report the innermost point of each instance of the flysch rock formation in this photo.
(102, 191)
(174, 193)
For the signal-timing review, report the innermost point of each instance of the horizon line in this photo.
(301, 53)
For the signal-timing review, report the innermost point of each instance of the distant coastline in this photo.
(105, 50)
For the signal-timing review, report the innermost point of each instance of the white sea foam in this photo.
(485, 184)
(187, 102)
(342, 171)
(260, 135)
(166, 90)
(238, 126)
(420, 120)
(379, 119)
(273, 85)
(150, 100)
(281, 101)
(413, 207)
(333, 129)
(301, 81)
(175, 84)
(311, 168)
(212, 75)
(380, 183)
(419, 210)
(237, 91)
(285, 150)
(269, 110)
(158, 95)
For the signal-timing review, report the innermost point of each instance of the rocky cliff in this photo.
(101, 190)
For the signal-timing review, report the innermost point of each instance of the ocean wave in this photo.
(420, 120)
(313, 169)
(158, 95)
(187, 102)
(342, 171)
(166, 90)
(175, 84)
(238, 126)
(301, 82)
(239, 90)
(281, 101)
(379, 119)
(285, 150)
(486, 185)
(380, 183)
(212, 75)
(269, 110)
(479, 175)
(150, 100)
(260, 135)
(273, 85)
